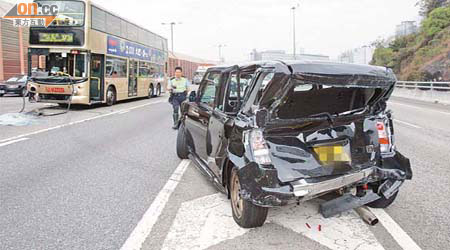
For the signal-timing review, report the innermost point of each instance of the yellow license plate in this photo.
(332, 154)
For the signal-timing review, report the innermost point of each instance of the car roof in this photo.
(308, 69)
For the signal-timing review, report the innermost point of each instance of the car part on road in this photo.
(367, 215)
(383, 202)
(346, 202)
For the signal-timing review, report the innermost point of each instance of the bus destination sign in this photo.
(55, 38)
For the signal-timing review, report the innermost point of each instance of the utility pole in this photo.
(293, 26)
(171, 31)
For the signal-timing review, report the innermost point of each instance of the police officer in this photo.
(178, 88)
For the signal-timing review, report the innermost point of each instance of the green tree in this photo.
(427, 6)
(437, 20)
(383, 57)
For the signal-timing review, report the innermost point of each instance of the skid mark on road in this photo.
(207, 221)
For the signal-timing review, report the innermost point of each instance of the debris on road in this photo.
(18, 119)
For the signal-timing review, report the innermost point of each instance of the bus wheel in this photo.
(158, 90)
(110, 96)
(151, 91)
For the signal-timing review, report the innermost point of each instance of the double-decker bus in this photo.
(89, 55)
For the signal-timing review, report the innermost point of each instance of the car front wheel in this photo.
(182, 147)
(245, 213)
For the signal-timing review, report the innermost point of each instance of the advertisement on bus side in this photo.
(120, 47)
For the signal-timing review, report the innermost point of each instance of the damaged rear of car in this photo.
(306, 129)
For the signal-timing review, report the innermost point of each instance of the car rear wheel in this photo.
(182, 147)
(245, 213)
(383, 202)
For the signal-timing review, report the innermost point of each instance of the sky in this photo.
(327, 27)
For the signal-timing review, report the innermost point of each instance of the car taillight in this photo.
(259, 148)
(383, 137)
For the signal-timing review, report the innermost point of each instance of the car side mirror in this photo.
(192, 96)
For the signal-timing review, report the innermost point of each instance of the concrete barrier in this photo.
(429, 93)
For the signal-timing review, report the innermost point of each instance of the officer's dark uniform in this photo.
(179, 88)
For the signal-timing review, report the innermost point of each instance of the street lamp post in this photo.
(293, 25)
(220, 46)
(171, 31)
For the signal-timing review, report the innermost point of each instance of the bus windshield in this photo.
(70, 13)
(62, 64)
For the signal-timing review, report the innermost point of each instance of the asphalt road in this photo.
(99, 178)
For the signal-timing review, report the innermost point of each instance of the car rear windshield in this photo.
(305, 100)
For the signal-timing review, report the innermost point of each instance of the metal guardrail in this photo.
(440, 86)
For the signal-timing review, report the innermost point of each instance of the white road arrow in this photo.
(207, 221)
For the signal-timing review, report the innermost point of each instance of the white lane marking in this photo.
(73, 123)
(123, 112)
(14, 141)
(145, 225)
(395, 230)
(420, 108)
(207, 221)
(407, 123)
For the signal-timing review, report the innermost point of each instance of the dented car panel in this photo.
(299, 130)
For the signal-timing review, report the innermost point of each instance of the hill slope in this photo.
(422, 56)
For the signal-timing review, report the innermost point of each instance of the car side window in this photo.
(236, 90)
(209, 87)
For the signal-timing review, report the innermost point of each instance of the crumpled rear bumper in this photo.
(260, 185)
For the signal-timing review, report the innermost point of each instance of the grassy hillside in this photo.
(422, 56)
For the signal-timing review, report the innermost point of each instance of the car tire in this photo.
(151, 91)
(111, 96)
(182, 147)
(383, 202)
(1, 95)
(245, 213)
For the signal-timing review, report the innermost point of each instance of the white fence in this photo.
(425, 91)
(443, 86)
